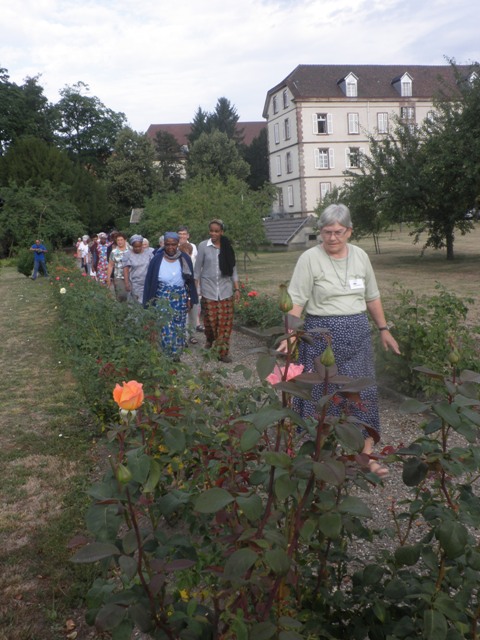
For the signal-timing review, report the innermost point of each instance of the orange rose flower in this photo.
(130, 396)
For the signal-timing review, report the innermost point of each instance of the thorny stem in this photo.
(159, 622)
(292, 546)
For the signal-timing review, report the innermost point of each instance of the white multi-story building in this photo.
(319, 119)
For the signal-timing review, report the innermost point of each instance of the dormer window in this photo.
(404, 85)
(473, 77)
(349, 85)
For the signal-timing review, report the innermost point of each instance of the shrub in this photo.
(424, 327)
(256, 309)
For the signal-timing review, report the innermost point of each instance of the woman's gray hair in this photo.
(335, 213)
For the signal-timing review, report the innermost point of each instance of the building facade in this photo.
(320, 117)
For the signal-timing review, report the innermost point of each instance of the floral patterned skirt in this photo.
(171, 304)
(352, 345)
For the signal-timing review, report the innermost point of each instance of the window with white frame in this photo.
(322, 123)
(286, 129)
(324, 158)
(407, 114)
(275, 104)
(290, 195)
(285, 99)
(278, 161)
(351, 87)
(280, 198)
(288, 160)
(406, 90)
(353, 123)
(353, 157)
(382, 122)
(276, 133)
(325, 187)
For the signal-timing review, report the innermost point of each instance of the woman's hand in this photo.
(389, 343)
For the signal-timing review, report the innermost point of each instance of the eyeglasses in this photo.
(330, 234)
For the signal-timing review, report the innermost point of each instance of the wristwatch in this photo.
(385, 328)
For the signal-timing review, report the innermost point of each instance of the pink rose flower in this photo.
(277, 374)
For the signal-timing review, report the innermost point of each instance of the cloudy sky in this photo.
(159, 60)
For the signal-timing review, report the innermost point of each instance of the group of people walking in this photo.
(185, 284)
(332, 288)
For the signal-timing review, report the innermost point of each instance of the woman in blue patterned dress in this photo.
(170, 286)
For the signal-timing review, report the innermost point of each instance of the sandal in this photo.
(193, 340)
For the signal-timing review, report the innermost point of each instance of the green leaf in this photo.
(308, 529)
(285, 487)
(330, 524)
(262, 631)
(129, 542)
(434, 625)
(94, 552)
(265, 365)
(249, 438)
(414, 471)
(153, 476)
(128, 565)
(372, 574)
(330, 471)
(447, 605)
(278, 459)
(138, 464)
(290, 635)
(213, 500)
(103, 521)
(174, 440)
(350, 436)
(267, 416)
(453, 538)
(355, 507)
(413, 406)
(239, 563)
(141, 616)
(109, 617)
(278, 561)
(380, 611)
(252, 506)
(408, 555)
(448, 413)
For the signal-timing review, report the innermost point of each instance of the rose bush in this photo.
(223, 514)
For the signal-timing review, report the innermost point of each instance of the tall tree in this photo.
(215, 154)
(256, 154)
(131, 172)
(31, 161)
(204, 197)
(24, 111)
(31, 212)
(225, 119)
(169, 158)
(199, 125)
(87, 128)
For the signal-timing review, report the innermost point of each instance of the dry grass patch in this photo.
(45, 461)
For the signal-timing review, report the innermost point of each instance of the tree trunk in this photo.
(449, 242)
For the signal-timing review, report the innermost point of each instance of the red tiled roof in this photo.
(180, 131)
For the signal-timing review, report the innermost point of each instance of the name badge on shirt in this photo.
(356, 283)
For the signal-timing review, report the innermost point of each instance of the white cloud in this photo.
(158, 61)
